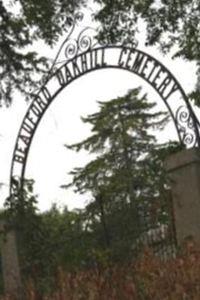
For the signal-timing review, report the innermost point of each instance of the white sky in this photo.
(49, 161)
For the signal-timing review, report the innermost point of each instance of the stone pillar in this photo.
(10, 263)
(184, 171)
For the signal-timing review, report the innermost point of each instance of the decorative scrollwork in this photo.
(74, 46)
(84, 40)
(71, 49)
(186, 125)
(189, 138)
(83, 43)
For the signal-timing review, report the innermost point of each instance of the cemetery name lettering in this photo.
(125, 58)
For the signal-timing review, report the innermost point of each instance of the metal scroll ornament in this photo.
(186, 125)
(74, 46)
(83, 43)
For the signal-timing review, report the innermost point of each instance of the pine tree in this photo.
(125, 176)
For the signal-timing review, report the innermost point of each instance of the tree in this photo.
(169, 23)
(172, 24)
(46, 241)
(68, 240)
(21, 24)
(127, 175)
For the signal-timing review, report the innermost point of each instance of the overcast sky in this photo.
(49, 161)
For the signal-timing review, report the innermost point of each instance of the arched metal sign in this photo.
(84, 55)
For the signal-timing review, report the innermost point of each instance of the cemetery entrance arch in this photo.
(84, 55)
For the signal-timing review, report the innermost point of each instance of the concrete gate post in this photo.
(10, 263)
(184, 171)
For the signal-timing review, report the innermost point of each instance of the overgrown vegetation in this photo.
(148, 278)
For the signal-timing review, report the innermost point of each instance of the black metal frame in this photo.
(86, 47)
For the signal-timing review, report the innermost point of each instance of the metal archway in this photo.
(84, 55)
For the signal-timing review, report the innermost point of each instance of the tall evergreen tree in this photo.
(123, 178)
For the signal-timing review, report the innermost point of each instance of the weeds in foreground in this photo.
(149, 278)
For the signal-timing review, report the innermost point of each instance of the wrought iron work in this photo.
(186, 125)
(82, 54)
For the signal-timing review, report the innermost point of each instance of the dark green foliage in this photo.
(168, 23)
(67, 240)
(120, 138)
(21, 24)
(171, 25)
(49, 240)
(127, 176)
